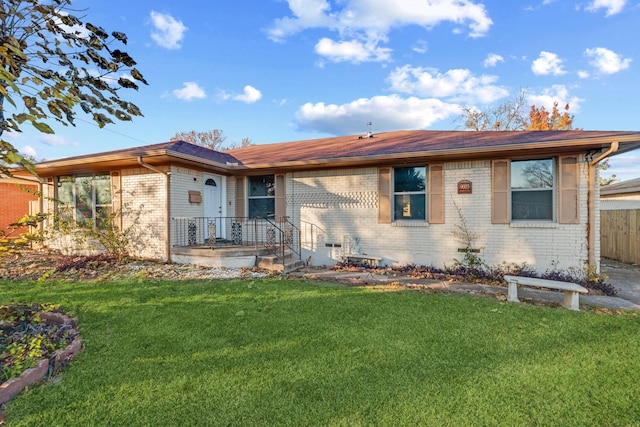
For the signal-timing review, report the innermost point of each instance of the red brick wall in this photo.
(14, 204)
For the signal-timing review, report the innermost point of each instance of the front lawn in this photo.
(286, 352)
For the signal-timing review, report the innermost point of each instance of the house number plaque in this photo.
(464, 187)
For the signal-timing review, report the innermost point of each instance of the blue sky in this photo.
(287, 70)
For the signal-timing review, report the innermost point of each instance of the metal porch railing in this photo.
(275, 236)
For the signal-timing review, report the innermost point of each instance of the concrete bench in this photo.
(370, 260)
(571, 290)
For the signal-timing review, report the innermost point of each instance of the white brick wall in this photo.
(344, 203)
(331, 205)
(144, 207)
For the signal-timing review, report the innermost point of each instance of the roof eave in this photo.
(160, 156)
(163, 156)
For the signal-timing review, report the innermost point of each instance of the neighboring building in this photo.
(620, 195)
(400, 197)
(19, 198)
(620, 221)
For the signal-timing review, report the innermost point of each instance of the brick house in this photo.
(397, 198)
(19, 198)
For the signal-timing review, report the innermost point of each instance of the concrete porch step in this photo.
(236, 257)
(278, 264)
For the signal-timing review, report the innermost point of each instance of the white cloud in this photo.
(28, 151)
(352, 51)
(54, 140)
(368, 22)
(613, 6)
(492, 60)
(169, 32)
(421, 46)
(79, 30)
(306, 14)
(547, 63)
(386, 112)
(189, 91)
(583, 74)
(556, 93)
(12, 135)
(624, 166)
(250, 95)
(607, 61)
(460, 85)
(223, 95)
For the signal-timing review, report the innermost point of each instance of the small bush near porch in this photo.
(286, 352)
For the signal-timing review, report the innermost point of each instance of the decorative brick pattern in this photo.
(349, 200)
(343, 203)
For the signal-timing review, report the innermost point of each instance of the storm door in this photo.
(213, 207)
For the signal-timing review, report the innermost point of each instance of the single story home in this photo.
(620, 195)
(406, 197)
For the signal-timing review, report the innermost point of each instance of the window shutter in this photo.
(50, 196)
(384, 196)
(569, 183)
(240, 186)
(280, 201)
(116, 198)
(500, 192)
(436, 194)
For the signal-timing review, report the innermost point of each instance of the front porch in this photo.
(236, 242)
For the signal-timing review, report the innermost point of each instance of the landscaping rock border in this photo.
(11, 388)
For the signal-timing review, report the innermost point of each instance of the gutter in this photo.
(591, 211)
(167, 204)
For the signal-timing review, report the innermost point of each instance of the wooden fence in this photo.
(620, 235)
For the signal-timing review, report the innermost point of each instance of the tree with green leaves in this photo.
(52, 61)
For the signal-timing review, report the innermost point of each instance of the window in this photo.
(536, 190)
(409, 193)
(261, 196)
(406, 187)
(84, 198)
(532, 189)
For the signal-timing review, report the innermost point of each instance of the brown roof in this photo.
(150, 150)
(424, 144)
(380, 148)
(156, 154)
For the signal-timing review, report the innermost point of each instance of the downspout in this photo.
(167, 213)
(591, 212)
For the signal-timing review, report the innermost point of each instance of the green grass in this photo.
(285, 352)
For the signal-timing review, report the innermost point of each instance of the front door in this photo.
(213, 204)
